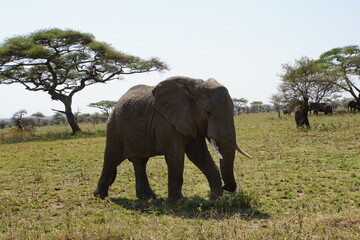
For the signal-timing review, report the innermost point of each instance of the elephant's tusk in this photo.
(215, 148)
(242, 151)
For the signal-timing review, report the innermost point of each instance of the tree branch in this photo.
(63, 112)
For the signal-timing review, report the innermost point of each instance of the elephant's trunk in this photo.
(227, 169)
(227, 165)
(226, 155)
(223, 142)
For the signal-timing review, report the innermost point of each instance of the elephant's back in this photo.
(135, 103)
(131, 121)
(136, 93)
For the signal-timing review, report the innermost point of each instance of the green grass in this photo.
(301, 184)
(48, 133)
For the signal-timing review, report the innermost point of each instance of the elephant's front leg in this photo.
(143, 190)
(198, 153)
(175, 163)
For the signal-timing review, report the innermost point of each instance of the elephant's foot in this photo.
(146, 195)
(101, 194)
(215, 194)
(178, 200)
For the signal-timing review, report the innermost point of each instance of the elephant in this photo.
(353, 105)
(173, 118)
(317, 107)
(301, 115)
(328, 109)
(287, 112)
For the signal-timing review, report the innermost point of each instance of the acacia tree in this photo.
(344, 63)
(17, 118)
(256, 107)
(278, 103)
(58, 119)
(64, 62)
(38, 116)
(306, 81)
(239, 104)
(106, 106)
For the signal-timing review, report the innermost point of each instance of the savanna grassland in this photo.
(300, 184)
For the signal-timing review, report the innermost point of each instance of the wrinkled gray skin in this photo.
(172, 119)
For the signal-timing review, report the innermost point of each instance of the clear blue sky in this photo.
(240, 43)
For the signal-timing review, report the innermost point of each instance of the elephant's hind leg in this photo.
(143, 190)
(112, 158)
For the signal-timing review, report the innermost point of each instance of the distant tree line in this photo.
(281, 105)
(240, 106)
(22, 121)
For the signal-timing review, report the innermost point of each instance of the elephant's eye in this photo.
(208, 112)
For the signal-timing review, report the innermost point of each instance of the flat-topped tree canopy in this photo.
(105, 105)
(63, 62)
(344, 62)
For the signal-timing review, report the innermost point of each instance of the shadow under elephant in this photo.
(196, 207)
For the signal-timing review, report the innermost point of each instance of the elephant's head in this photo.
(196, 107)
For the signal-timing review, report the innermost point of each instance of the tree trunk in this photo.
(71, 118)
(73, 124)
(67, 101)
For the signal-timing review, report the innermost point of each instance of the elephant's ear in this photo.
(174, 99)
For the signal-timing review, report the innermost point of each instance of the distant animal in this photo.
(317, 107)
(328, 109)
(353, 105)
(301, 115)
(287, 112)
